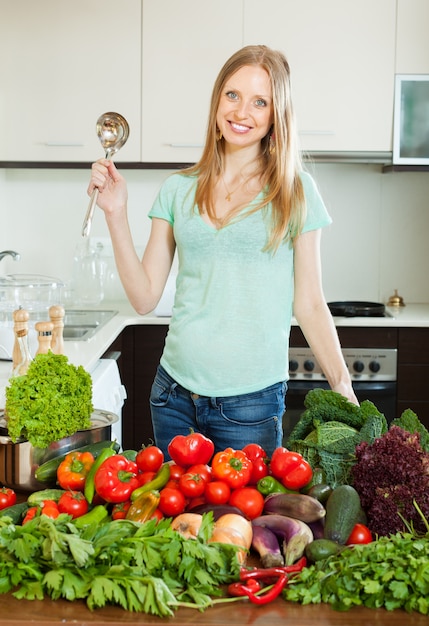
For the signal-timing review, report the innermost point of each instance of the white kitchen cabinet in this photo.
(63, 64)
(412, 44)
(184, 46)
(342, 59)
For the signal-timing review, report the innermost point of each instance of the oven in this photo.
(373, 370)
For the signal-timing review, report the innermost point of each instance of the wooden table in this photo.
(279, 613)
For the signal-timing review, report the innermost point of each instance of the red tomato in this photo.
(7, 497)
(120, 509)
(293, 471)
(50, 508)
(176, 471)
(217, 492)
(149, 459)
(249, 500)
(145, 477)
(172, 502)
(73, 503)
(203, 469)
(157, 514)
(359, 534)
(192, 485)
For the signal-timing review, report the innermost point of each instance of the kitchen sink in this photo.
(82, 324)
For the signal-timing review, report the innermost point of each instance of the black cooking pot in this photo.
(356, 308)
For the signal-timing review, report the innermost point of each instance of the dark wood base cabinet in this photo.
(141, 348)
(413, 372)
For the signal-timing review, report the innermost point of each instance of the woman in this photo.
(246, 221)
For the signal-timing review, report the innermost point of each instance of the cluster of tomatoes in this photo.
(198, 476)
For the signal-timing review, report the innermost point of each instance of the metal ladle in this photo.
(113, 131)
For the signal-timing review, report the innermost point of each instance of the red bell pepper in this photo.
(233, 467)
(72, 472)
(116, 479)
(290, 468)
(192, 449)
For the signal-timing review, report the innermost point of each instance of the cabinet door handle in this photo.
(186, 145)
(316, 132)
(63, 144)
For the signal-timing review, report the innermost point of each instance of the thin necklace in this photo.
(228, 192)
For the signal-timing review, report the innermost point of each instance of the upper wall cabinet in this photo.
(412, 52)
(184, 46)
(63, 65)
(342, 59)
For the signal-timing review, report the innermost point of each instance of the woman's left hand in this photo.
(346, 390)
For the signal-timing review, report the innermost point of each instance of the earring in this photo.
(218, 134)
(272, 144)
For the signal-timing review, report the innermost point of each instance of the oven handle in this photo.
(302, 387)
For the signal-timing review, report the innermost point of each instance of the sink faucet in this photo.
(15, 255)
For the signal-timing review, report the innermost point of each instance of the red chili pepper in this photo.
(269, 595)
(242, 589)
(265, 573)
(116, 479)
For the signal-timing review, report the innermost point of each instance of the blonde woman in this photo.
(246, 222)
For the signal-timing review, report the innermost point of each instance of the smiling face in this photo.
(245, 111)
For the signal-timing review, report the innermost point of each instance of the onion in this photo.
(187, 524)
(239, 524)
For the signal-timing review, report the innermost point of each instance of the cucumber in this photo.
(320, 549)
(16, 512)
(343, 511)
(47, 472)
(36, 498)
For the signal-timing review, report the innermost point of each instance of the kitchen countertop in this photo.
(86, 353)
(277, 613)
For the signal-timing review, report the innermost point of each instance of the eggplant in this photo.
(297, 505)
(294, 535)
(217, 509)
(266, 544)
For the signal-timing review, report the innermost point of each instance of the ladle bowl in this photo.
(113, 131)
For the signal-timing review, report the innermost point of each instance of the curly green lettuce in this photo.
(53, 400)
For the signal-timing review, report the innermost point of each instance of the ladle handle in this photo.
(90, 211)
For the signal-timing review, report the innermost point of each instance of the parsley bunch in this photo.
(140, 567)
(53, 400)
(392, 572)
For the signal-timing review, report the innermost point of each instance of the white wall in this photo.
(377, 243)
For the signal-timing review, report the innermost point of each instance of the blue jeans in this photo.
(231, 421)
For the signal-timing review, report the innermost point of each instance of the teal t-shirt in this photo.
(230, 325)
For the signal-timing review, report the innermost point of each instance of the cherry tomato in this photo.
(7, 497)
(50, 508)
(176, 471)
(73, 503)
(145, 477)
(172, 502)
(249, 500)
(359, 534)
(120, 509)
(217, 492)
(204, 470)
(192, 485)
(157, 514)
(149, 459)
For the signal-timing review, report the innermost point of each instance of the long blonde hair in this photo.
(278, 169)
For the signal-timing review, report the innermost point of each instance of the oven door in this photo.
(381, 393)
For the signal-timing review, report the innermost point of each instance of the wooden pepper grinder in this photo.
(44, 336)
(56, 314)
(20, 319)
